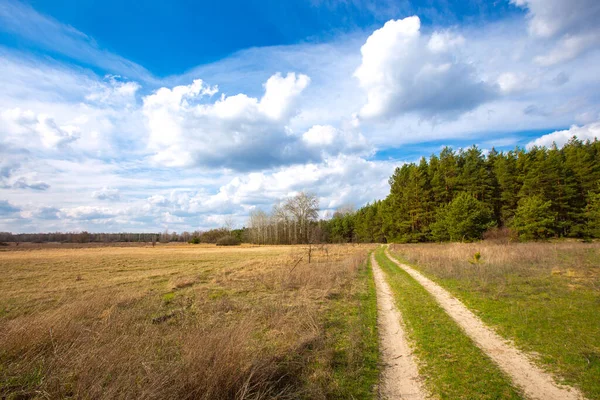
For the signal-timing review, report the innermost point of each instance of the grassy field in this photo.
(451, 364)
(187, 321)
(543, 296)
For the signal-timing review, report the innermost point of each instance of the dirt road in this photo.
(535, 383)
(400, 376)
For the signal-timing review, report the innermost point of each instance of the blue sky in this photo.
(172, 37)
(181, 115)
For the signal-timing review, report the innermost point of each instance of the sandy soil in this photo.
(400, 376)
(535, 383)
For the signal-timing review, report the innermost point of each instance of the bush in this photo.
(502, 235)
(464, 219)
(228, 241)
(195, 240)
(534, 219)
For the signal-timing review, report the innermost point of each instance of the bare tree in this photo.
(304, 207)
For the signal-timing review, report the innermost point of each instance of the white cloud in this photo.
(87, 213)
(337, 180)
(114, 92)
(441, 42)
(43, 213)
(238, 132)
(511, 82)
(574, 23)
(585, 132)
(25, 126)
(404, 71)
(568, 48)
(106, 193)
(330, 140)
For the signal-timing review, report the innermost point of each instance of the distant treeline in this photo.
(209, 236)
(459, 195)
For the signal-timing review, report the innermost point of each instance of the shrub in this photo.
(464, 219)
(228, 241)
(195, 240)
(534, 219)
(503, 235)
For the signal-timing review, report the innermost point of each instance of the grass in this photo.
(351, 326)
(543, 296)
(452, 365)
(184, 321)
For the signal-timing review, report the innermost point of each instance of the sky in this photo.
(130, 116)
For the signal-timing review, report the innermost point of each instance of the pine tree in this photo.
(534, 218)
(464, 219)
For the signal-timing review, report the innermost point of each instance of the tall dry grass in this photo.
(169, 323)
(498, 260)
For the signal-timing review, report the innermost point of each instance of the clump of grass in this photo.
(543, 296)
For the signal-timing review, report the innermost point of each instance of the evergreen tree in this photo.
(534, 219)
(592, 214)
(464, 219)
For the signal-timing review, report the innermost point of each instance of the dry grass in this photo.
(544, 296)
(578, 261)
(177, 322)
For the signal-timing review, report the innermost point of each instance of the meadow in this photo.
(187, 321)
(184, 321)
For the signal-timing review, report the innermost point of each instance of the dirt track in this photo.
(400, 376)
(535, 383)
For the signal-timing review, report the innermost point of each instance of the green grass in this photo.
(453, 367)
(351, 334)
(554, 315)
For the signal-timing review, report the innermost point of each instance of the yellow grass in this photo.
(180, 321)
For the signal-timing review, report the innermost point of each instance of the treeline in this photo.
(209, 236)
(459, 195)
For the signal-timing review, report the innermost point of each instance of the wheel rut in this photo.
(400, 376)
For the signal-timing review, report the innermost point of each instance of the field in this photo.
(186, 321)
(181, 321)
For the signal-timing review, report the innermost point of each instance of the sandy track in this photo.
(535, 383)
(400, 376)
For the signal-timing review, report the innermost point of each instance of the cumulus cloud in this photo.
(337, 180)
(114, 92)
(404, 71)
(237, 132)
(585, 132)
(43, 213)
(573, 23)
(87, 213)
(106, 193)
(25, 126)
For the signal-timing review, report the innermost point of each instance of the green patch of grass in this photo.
(454, 367)
(351, 334)
(552, 315)
(167, 298)
(21, 386)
